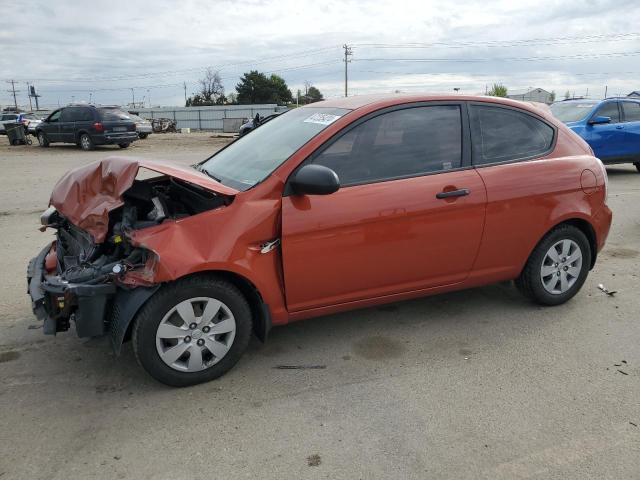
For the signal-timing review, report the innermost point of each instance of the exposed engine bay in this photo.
(147, 203)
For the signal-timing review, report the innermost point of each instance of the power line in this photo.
(514, 59)
(509, 43)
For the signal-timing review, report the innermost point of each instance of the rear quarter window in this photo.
(503, 134)
(113, 115)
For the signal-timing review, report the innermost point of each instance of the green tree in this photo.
(567, 95)
(314, 95)
(256, 87)
(552, 96)
(498, 90)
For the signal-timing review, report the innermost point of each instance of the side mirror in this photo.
(599, 119)
(315, 180)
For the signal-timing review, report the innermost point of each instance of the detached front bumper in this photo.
(57, 302)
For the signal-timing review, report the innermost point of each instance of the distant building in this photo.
(531, 95)
(635, 94)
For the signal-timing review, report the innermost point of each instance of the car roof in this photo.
(373, 102)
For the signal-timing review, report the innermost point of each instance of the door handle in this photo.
(453, 193)
(619, 127)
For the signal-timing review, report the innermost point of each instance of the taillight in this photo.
(98, 127)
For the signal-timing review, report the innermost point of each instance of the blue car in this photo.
(611, 127)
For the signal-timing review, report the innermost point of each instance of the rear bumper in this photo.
(602, 224)
(57, 303)
(114, 138)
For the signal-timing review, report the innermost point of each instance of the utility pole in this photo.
(133, 99)
(185, 93)
(29, 95)
(605, 91)
(14, 91)
(347, 53)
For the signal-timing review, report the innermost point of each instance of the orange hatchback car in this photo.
(337, 205)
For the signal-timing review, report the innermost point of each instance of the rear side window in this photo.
(609, 110)
(401, 143)
(631, 111)
(9, 117)
(73, 114)
(503, 134)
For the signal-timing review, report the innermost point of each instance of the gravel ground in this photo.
(471, 385)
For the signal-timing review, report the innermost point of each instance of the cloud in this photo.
(70, 49)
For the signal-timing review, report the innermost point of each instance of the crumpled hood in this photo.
(86, 195)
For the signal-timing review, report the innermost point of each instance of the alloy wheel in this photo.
(195, 334)
(561, 266)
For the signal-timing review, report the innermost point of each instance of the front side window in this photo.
(55, 116)
(402, 143)
(631, 111)
(503, 134)
(609, 110)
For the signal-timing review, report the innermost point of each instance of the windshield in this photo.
(571, 112)
(252, 158)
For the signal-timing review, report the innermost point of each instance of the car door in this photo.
(521, 190)
(631, 142)
(408, 216)
(68, 124)
(607, 139)
(51, 126)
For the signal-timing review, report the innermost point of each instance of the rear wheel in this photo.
(557, 268)
(42, 140)
(124, 145)
(85, 142)
(192, 331)
(143, 135)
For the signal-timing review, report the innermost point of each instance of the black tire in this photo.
(124, 145)
(151, 314)
(85, 142)
(530, 282)
(637, 164)
(143, 135)
(43, 141)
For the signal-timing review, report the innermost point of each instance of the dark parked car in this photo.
(254, 123)
(87, 126)
(611, 127)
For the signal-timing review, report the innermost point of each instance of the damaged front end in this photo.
(92, 274)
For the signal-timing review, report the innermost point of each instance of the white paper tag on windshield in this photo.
(322, 118)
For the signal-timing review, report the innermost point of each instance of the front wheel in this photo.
(124, 145)
(143, 135)
(192, 331)
(557, 268)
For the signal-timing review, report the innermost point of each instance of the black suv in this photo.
(87, 126)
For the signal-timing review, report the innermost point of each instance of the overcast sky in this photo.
(72, 50)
